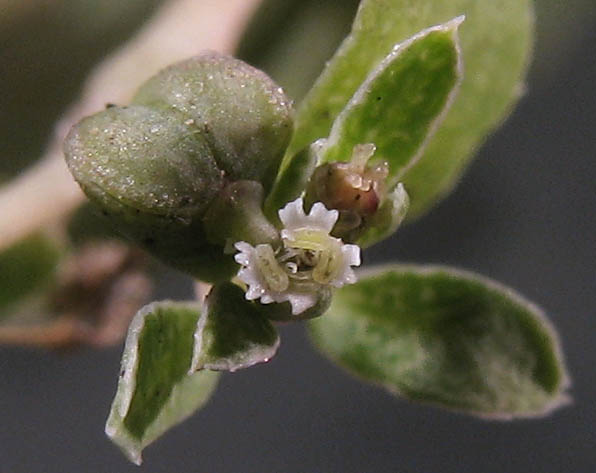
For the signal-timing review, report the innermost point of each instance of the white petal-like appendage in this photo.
(351, 254)
(292, 215)
(267, 299)
(321, 218)
(301, 301)
(245, 255)
(349, 276)
(243, 246)
(249, 274)
(253, 292)
(346, 275)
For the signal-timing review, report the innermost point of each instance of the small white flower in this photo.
(308, 259)
(267, 280)
(310, 233)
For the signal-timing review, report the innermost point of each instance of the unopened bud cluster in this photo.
(154, 167)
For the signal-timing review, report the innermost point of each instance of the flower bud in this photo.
(245, 117)
(354, 188)
(143, 160)
(153, 176)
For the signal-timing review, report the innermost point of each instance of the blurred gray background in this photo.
(524, 214)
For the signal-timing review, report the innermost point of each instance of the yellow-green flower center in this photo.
(316, 252)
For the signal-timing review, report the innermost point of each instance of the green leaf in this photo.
(27, 267)
(232, 332)
(496, 41)
(402, 101)
(446, 337)
(155, 391)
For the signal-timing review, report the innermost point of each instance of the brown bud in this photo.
(354, 188)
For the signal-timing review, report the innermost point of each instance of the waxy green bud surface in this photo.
(245, 116)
